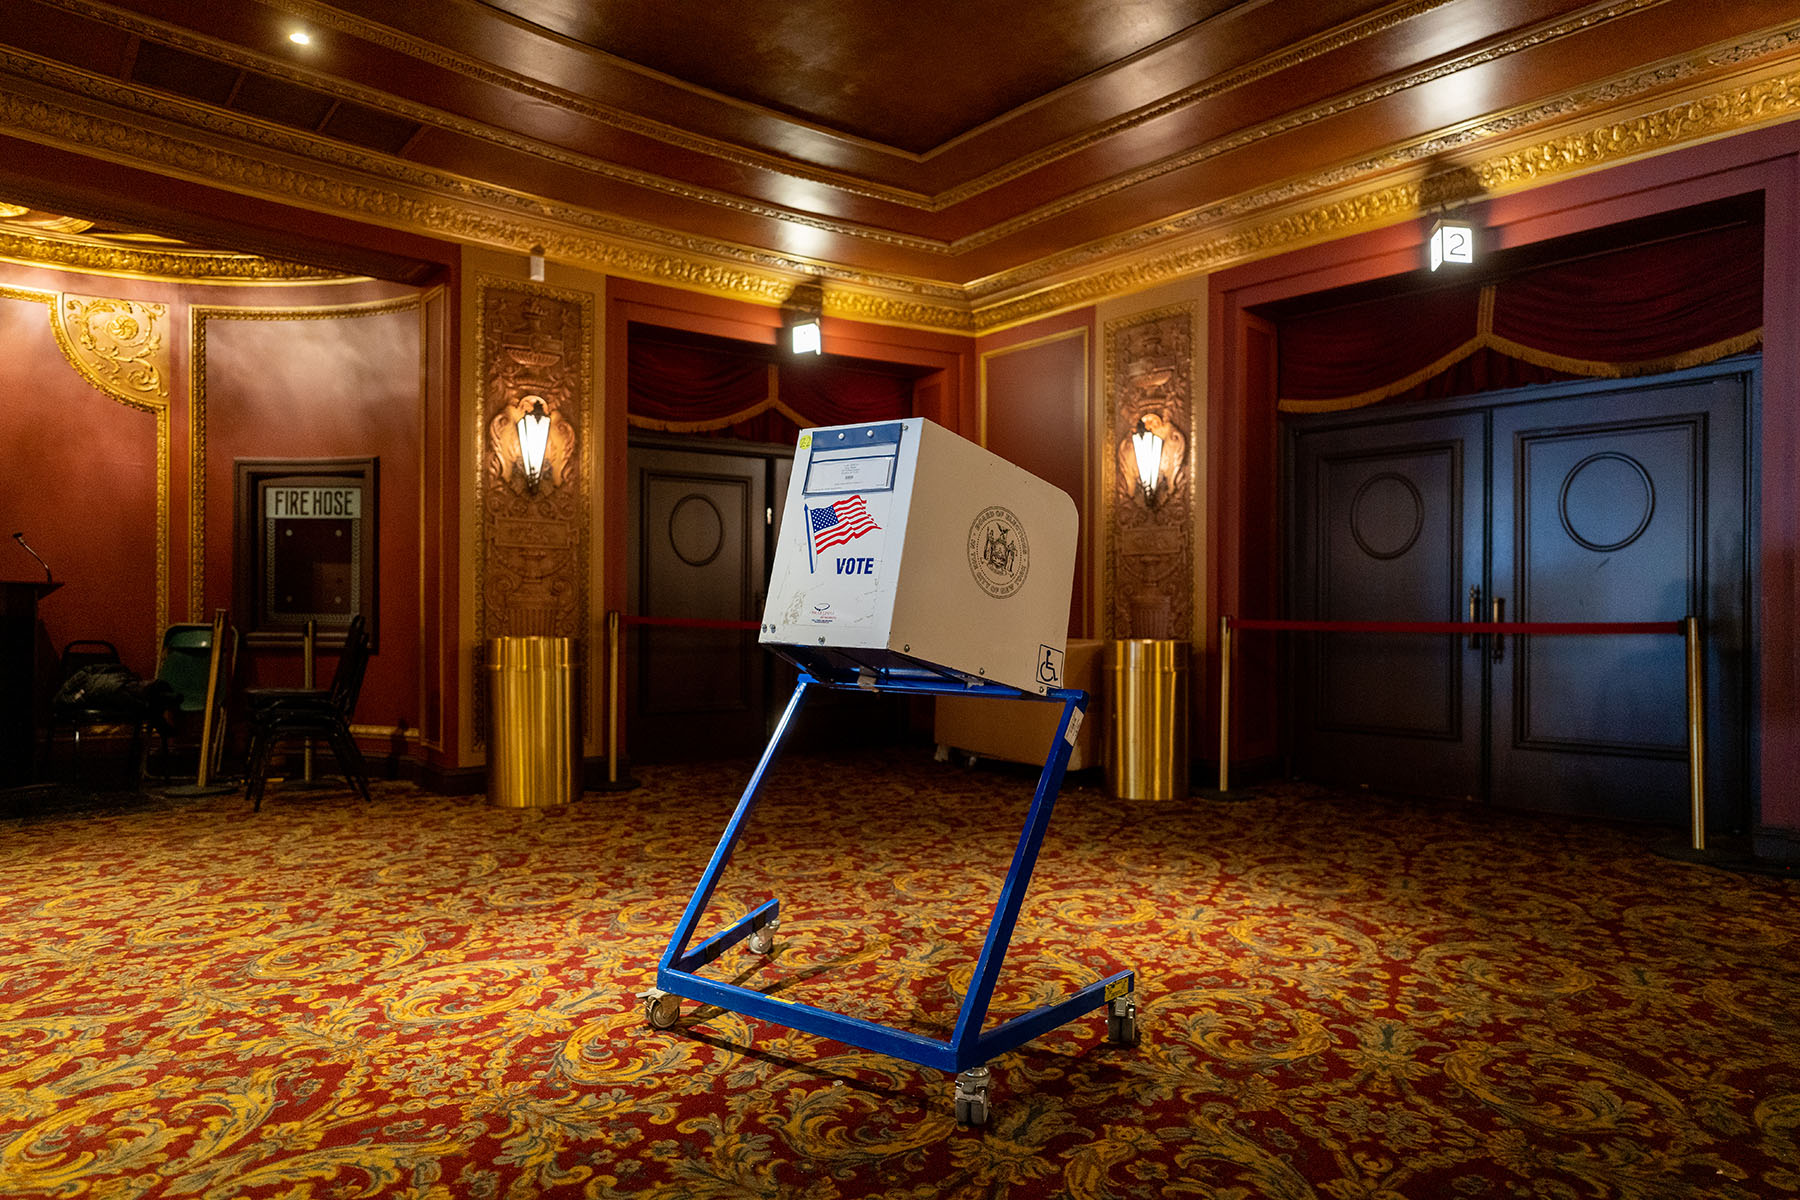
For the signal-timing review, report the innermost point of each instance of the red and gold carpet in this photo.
(1342, 998)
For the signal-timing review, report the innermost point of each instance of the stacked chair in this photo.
(307, 715)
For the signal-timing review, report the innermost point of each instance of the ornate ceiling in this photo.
(948, 163)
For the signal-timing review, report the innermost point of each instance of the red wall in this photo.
(346, 385)
(1036, 415)
(79, 481)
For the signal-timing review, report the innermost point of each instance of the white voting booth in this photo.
(906, 549)
(911, 561)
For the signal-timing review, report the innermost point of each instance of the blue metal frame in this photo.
(968, 1046)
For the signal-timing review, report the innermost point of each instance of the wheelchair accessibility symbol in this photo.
(1050, 663)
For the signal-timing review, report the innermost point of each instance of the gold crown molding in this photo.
(1758, 102)
(155, 403)
(469, 212)
(198, 317)
(129, 262)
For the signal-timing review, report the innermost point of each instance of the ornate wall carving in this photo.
(534, 347)
(1150, 551)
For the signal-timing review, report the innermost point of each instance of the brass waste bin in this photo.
(1147, 738)
(534, 752)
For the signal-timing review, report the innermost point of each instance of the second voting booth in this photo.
(912, 561)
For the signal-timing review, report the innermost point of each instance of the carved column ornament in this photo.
(1150, 550)
(535, 347)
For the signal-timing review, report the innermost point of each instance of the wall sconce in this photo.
(1452, 241)
(1147, 447)
(534, 437)
(537, 264)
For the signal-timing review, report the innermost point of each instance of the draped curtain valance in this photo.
(676, 388)
(1654, 308)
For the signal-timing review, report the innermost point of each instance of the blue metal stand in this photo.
(969, 1048)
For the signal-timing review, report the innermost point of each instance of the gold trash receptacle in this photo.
(534, 753)
(1147, 737)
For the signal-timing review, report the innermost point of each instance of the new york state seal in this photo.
(999, 553)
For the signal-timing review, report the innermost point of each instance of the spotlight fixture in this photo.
(1452, 241)
(300, 37)
(804, 337)
(537, 264)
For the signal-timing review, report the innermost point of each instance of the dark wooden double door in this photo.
(1597, 503)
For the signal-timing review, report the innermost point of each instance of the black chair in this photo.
(280, 715)
(92, 692)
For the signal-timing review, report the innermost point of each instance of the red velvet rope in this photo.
(1542, 627)
(686, 622)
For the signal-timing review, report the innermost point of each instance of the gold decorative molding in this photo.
(1741, 107)
(198, 318)
(307, 171)
(153, 401)
(92, 257)
(122, 346)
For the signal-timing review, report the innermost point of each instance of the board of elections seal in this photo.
(999, 555)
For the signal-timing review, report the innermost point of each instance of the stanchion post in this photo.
(203, 773)
(612, 696)
(1224, 704)
(1696, 713)
(309, 642)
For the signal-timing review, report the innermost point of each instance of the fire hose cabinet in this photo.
(906, 549)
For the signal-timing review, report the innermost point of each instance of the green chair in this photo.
(185, 661)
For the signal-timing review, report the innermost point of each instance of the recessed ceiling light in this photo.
(300, 37)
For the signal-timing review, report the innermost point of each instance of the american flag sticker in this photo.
(839, 523)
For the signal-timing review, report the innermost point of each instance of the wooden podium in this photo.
(18, 677)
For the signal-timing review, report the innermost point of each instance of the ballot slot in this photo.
(854, 460)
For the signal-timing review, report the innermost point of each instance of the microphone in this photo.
(48, 578)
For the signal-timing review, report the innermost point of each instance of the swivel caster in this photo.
(972, 1096)
(662, 1009)
(1121, 1021)
(762, 938)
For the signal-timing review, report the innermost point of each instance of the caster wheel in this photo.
(972, 1096)
(762, 941)
(661, 1009)
(1121, 1022)
(971, 1111)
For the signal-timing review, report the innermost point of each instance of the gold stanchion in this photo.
(1696, 713)
(308, 675)
(1224, 704)
(614, 635)
(203, 785)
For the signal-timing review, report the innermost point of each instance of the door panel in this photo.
(1604, 503)
(698, 553)
(1615, 520)
(1386, 535)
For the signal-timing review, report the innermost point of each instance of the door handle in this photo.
(1474, 615)
(1499, 638)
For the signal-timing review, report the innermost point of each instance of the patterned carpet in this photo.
(1344, 998)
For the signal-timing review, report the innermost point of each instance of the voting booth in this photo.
(907, 550)
(912, 561)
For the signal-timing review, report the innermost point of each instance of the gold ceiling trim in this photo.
(465, 211)
(1741, 107)
(94, 257)
(153, 400)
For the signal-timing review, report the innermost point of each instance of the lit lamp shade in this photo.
(1148, 448)
(1452, 242)
(534, 436)
(805, 337)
